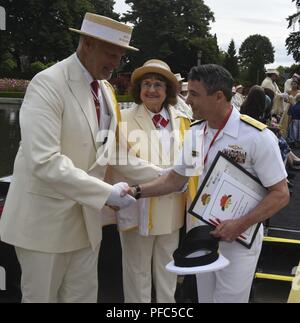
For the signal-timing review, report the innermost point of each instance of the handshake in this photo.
(120, 196)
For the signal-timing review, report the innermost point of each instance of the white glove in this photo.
(116, 198)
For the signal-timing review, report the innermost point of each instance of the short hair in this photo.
(171, 91)
(214, 78)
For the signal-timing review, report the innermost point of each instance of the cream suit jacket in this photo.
(166, 213)
(57, 192)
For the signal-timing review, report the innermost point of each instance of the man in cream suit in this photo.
(52, 212)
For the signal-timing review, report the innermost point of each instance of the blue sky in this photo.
(238, 19)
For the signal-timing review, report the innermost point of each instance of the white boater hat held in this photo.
(106, 29)
(198, 253)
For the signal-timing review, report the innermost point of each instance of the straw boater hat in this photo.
(154, 66)
(106, 29)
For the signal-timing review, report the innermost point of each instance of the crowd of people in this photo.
(83, 163)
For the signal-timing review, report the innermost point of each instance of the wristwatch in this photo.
(138, 191)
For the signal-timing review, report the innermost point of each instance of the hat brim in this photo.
(219, 264)
(139, 72)
(105, 40)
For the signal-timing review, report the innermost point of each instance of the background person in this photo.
(238, 97)
(272, 90)
(293, 136)
(288, 83)
(184, 90)
(51, 214)
(255, 104)
(181, 105)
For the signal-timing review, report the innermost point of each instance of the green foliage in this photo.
(37, 67)
(124, 98)
(38, 30)
(12, 95)
(231, 60)
(255, 52)
(291, 18)
(7, 66)
(292, 43)
(105, 8)
(172, 30)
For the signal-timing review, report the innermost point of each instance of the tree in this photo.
(231, 60)
(255, 52)
(292, 43)
(38, 30)
(105, 8)
(172, 30)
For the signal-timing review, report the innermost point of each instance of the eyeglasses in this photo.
(157, 85)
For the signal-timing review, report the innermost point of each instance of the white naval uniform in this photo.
(263, 160)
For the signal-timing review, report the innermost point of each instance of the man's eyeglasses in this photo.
(157, 85)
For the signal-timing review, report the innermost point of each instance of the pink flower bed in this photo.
(12, 85)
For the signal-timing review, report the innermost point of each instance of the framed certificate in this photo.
(228, 191)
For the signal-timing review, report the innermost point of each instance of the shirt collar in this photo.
(232, 126)
(86, 73)
(162, 112)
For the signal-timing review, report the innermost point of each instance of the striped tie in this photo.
(95, 89)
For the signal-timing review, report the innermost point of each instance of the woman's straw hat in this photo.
(154, 66)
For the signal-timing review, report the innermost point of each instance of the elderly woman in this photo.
(148, 248)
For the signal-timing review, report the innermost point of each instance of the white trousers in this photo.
(59, 278)
(143, 256)
(233, 283)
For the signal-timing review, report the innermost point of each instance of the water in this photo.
(9, 137)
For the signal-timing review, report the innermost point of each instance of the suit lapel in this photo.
(175, 122)
(111, 135)
(81, 91)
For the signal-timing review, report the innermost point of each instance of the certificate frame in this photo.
(223, 164)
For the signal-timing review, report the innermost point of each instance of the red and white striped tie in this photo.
(95, 89)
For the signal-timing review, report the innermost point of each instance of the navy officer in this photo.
(255, 148)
